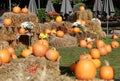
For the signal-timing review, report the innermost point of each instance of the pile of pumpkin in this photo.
(86, 66)
(39, 49)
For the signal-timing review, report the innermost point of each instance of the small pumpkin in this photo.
(115, 36)
(108, 48)
(97, 63)
(106, 71)
(16, 9)
(103, 51)
(25, 10)
(7, 21)
(83, 43)
(89, 46)
(85, 56)
(58, 19)
(100, 43)
(72, 67)
(95, 53)
(83, 72)
(48, 31)
(81, 8)
(76, 30)
(22, 31)
(60, 34)
(114, 44)
(52, 54)
(25, 53)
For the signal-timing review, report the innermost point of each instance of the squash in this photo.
(16, 9)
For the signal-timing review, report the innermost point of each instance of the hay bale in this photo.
(66, 41)
(17, 19)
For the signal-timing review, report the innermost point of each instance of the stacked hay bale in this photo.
(32, 69)
(17, 19)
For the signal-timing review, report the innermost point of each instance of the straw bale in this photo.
(66, 41)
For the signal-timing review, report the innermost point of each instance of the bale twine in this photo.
(66, 41)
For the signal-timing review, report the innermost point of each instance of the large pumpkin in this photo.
(39, 50)
(106, 72)
(52, 54)
(43, 42)
(16, 9)
(85, 70)
(5, 56)
(7, 21)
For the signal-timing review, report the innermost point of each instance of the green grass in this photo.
(71, 54)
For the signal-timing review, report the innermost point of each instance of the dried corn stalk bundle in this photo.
(66, 41)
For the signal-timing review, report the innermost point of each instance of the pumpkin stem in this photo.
(106, 62)
(53, 48)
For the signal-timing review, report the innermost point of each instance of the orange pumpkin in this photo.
(58, 19)
(85, 56)
(108, 48)
(43, 42)
(76, 30)
(95, 53)
(60, 33)
(72, 67)
(103, 51)
(89, 46)
(25, 53)
(5, 56)
(100, 43)
(83, 43)
(81, 8)
(7, 21)
(114, 44)
(39, 50)
(22, 31)
(52, 54)
(16, 9)
(83, 72)
(25, 10)
(48, 31)
(53, 31)
(97, 62)
(106, 72)
(115, 36)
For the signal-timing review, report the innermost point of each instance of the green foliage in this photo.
(41, 14)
